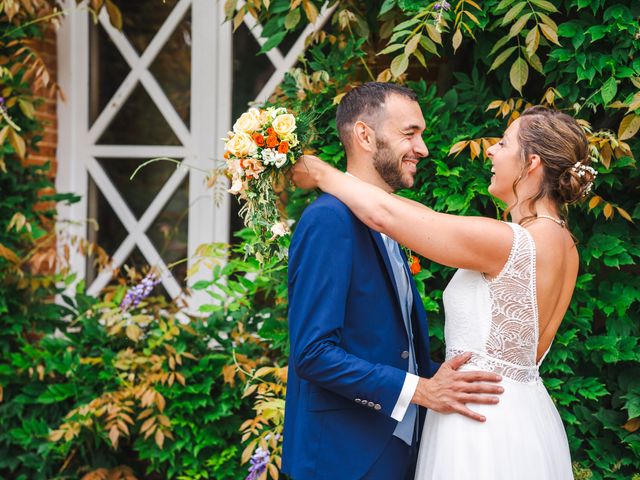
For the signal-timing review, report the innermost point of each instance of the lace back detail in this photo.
(511, 345)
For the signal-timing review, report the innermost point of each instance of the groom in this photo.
(360, 372)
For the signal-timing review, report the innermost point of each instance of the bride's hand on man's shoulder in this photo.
(305, 172)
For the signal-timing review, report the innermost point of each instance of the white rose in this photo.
(279, 229)
(248, 122)
(280, 159)
(268, 156)
(274, 112)
(236, 186)
(284, 124)
(241, 145)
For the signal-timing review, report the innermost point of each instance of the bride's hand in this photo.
(306, 172)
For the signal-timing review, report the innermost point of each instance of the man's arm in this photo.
(320, 263)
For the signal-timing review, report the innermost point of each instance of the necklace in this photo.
(562, 223)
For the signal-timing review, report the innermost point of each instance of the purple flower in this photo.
(444, 5)
(259, 461)
(139, 292)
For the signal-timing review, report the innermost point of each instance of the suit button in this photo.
(358, 400)
(377, 406)
(405, 354)
(370, 404)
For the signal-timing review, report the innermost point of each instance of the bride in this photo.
(506, 301)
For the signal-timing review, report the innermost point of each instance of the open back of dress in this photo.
(497, 320)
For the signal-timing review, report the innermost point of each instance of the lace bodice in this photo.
(497, 319)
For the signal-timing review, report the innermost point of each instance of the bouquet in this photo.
(263, 145)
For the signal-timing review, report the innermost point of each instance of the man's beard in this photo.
(388, 167)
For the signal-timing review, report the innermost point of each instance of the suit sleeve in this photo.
(321, 258)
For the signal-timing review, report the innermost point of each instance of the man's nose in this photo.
(421, 149)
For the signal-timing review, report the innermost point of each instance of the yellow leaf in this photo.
(624, 214)
(550, 33)
(594, 202)
(412, 44)
(56, 435)
(114, 434)
(475, 149)
(383, 76)
(115, 16)
(434, 34)
(457, 40)
(147, 424)
(261, 372)
(159, 437)
(133, 332)
(310, 10)
(18, 143)
(608, 210)
(180, 379)
(246, 453)
(458, 147)
(532, 41)
(273, 471)
(629, 126)
(494, 104)
(9, 254)
(632, 425)
(160, 402)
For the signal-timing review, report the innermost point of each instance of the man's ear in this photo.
(364, 136)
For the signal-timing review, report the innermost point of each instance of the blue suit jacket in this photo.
(347, 341)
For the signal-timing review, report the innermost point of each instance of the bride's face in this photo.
(506, 164)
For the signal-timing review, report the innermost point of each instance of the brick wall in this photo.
(46, 112)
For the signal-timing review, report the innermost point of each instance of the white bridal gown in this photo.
(523, 437)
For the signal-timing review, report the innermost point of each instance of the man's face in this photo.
(399, 144)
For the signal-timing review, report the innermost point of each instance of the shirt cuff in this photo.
(406, 394)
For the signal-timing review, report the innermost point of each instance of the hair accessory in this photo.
(581, 169)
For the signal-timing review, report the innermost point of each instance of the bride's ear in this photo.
(364, 136)
(535, 163)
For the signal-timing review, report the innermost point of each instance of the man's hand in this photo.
(448, 391)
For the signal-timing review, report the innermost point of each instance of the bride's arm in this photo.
(474, 243)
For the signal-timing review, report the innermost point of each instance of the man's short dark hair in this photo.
(365, 103)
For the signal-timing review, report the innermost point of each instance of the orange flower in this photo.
(283, 148)
(415, 265)
(226, 154)
(259, 139)
(272, 141)
(271, 131)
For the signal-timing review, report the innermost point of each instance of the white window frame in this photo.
(211, 96)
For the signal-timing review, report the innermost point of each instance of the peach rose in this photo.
(241, 145)
(284, 124)
(248, 122)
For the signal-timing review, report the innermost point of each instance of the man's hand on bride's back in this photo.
(449, 390)
(306, 171)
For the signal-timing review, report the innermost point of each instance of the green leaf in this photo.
(292, 19)
(504, 4)
(513, 12)
(499, 44)
(399, 65)
(391, 48)
(544, 4)
(519, 74)
(500, 59)
(609, 90)
(273, 41)
(517, 27)
(387, 6)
